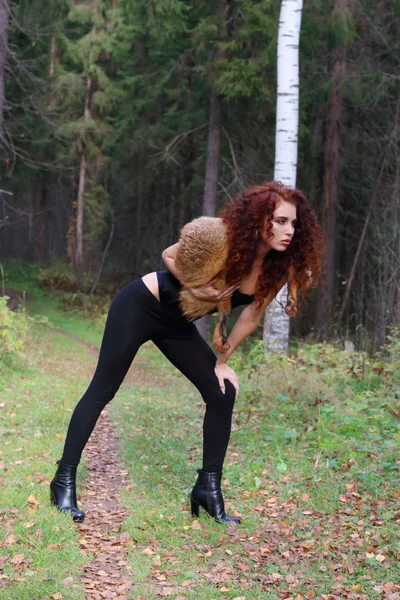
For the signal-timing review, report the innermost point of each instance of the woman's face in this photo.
(283, 227)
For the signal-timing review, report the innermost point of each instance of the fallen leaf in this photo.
(9, 540)
(148, 552)
(18, 559)
(32, 500)
(380, 557)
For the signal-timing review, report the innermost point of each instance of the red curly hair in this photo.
(246, 214)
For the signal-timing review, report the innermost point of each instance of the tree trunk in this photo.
(81, 190)
(276, 322)
(4, 12)
(53, 53)
(325, 306)
(79, 220)
(212, 170)
(213, 151)
(45, 176)
(42, 219)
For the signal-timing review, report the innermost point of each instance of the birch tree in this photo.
(276, 322)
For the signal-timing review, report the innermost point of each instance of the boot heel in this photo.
(195, 508)
(63, 491)
(207, 494)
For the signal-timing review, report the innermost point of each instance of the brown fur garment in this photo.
(201, 257)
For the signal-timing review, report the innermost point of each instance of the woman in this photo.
(270, 228)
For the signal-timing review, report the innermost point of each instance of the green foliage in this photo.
(92, 306)
(58, 277)
(345, 404)
(13, 332)
(343, 30)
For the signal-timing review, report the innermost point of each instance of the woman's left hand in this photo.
(224, 372)
(209, 293)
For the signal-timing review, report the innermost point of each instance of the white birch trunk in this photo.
(276, 322)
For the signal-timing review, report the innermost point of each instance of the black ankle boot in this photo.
(63, 491)
(207, 493)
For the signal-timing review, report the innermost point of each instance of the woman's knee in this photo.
(214, 395)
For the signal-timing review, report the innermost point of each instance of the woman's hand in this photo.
(224, 372)
(208, 291)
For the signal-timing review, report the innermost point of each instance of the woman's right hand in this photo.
(222, 372)
(208, 291)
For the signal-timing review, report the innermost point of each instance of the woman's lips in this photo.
(285, 242)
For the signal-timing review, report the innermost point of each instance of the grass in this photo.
(39, 552)
(312, 468)
(312, 471)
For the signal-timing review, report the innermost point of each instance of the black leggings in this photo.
(136, 316)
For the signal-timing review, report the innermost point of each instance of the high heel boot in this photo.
(207, 493)
(63, 491)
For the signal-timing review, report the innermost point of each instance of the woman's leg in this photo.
(128, 326)
(194, 358)
(188, 351)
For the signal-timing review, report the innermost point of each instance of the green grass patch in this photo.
(312, 468)
(39, 552)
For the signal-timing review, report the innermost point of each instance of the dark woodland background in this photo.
(112, 113)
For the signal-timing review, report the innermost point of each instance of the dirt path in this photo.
(105, 576)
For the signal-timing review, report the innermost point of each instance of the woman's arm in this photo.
(168, 257)
(247, 322)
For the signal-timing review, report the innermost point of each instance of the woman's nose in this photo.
(290, 228)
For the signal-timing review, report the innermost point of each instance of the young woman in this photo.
(270, 229)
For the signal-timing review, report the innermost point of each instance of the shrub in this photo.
(14, 327)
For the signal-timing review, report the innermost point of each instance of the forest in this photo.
(106, 113)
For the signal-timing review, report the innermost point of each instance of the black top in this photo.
(169, 288)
